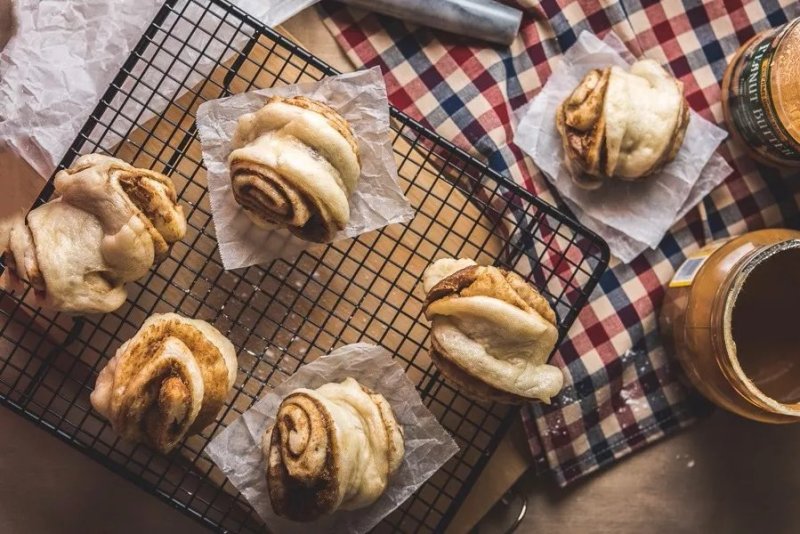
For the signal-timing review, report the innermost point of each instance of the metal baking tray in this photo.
(284, 314)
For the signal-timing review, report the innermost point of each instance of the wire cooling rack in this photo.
(286, 313)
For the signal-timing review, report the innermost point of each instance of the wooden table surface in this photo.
(723, 475)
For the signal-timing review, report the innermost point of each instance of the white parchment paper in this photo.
(236, 450)
(630, 216)
(66, 52)
(54, 70)
(377, 201)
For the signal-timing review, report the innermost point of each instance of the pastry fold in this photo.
(622, 124)
(295, 164)
(491, 332)
(106, 225)
(334, 447)
(168, 381)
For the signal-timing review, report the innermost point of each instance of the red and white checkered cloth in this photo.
(622, 390)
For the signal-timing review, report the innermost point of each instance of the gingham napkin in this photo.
(623, 390)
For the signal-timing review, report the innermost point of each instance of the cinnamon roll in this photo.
(169, 381)
(294, 165)
(491, 332)
(622, 124)
(331, 448)
(106, 225)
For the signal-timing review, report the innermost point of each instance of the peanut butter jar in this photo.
(731, 315)
(761, 96)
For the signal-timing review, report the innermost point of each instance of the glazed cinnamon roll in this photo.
(295, 164)
(331, 448)
(491, 332)
(106, 225)
(169, 381)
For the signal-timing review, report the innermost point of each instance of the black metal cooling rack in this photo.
(284, 314)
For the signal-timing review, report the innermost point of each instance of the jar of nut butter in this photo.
(731, 317)
(761, 96)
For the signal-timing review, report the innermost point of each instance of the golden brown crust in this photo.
(173, 402)
(150, 203)
(452, 284)
(492, 282)
(168, 381)
(581, 123)
(531, 296)
(212, 365)
(294, 498)
(153, 408)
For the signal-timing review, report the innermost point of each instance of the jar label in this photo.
(751, 103)
(688, 270)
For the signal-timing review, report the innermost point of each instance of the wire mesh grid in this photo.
(284, 314)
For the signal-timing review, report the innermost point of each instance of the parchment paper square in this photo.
(630, 216)
(236, 450)
(360, 97)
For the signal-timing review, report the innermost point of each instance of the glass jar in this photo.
(731, 315)
(761, 96)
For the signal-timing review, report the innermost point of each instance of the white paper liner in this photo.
(81, 44)
(377, 201)
(236, 450)
(630, 216)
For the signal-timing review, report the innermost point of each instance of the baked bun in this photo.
(622, 124)
(331, 448)
(106, 225)
(491, 332)
(294, 165)
(168, 381)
